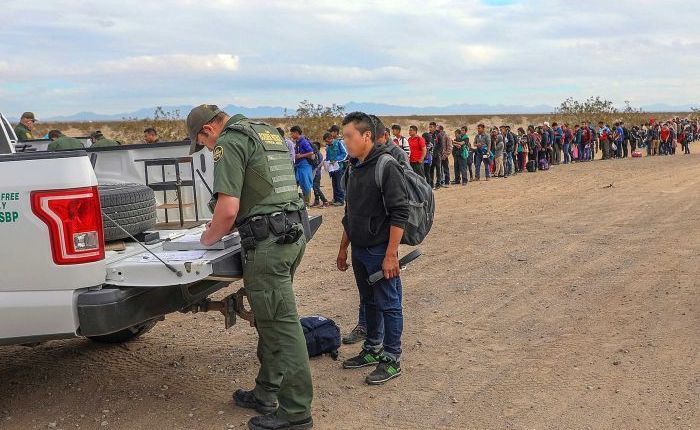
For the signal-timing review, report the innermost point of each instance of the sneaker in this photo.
(357, 334)
(246, 399)
(387, 369)
(273, 422)
(338, 204)
(363, 359)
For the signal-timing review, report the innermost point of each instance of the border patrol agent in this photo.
(255, 188)
(61, 142)
(23, 130)
(100, 141)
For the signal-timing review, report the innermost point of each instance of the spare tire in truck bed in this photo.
(132, 206)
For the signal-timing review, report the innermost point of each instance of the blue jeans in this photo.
(509, 163)
(481, 160)
(381, 301)
(304, 175)
(337, 184)
(567, 156)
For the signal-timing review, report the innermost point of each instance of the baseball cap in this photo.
(29, 115)
(95, 134)
(199, 116)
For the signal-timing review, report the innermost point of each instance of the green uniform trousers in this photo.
(284, 375)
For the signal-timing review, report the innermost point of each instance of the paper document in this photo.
(332, 166)
(171, 256)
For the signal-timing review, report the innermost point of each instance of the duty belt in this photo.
(286, 226)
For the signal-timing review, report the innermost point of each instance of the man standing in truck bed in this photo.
(255, 188)
(23, 130)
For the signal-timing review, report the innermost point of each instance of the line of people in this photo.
(491, 152)
(504, 152)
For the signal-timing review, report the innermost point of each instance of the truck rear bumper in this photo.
(112, 309)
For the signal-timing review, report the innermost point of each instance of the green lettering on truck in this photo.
(7, 217)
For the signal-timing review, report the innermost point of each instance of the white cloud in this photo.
(481, 54)
(175, 63)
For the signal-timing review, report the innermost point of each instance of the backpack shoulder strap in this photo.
(379, 170)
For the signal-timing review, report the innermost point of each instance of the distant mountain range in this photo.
(375, 108)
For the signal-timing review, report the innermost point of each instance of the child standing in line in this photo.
(320, 200)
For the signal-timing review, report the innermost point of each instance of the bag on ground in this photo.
(532, 166)
(322, 336)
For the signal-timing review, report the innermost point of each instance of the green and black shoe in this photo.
(387, 369)
(363, 359)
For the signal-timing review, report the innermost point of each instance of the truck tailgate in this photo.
(136, 267)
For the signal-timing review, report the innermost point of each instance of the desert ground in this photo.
(566, 299)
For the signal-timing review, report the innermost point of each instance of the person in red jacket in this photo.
(418, 150)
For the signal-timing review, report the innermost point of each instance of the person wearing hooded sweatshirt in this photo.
(373, 225)
(383, 138)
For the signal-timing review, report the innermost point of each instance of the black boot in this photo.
(272, 422)
(246, 399)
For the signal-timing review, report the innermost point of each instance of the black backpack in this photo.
(322, 336)
(421, 201)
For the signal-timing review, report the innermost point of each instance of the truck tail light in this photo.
(74, 218)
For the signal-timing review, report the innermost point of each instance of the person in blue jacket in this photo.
(304, 153)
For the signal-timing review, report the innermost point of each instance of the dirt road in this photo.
(545, 301)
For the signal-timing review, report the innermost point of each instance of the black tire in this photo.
(132, 206)
(125, 335)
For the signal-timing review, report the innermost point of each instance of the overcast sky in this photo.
(65, 56)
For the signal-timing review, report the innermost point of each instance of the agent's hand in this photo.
(342, 261)
(390, 266)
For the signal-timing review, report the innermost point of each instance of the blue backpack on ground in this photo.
(322, 336)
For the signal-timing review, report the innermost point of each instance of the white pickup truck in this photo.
(60, 279)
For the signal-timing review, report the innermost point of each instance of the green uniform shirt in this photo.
(103, 142)
(241, 171)
(23, 133)
(64, 143)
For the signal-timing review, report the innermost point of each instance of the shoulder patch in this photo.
(218, 153)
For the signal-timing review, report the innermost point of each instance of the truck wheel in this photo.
(132, 206)
(125, 335)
